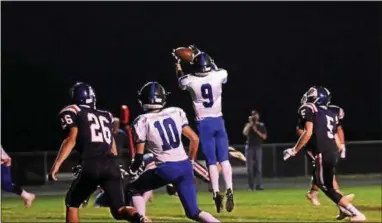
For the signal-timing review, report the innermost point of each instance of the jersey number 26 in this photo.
(100, 132)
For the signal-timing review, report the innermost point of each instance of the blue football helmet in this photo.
(83, 94)
(152, 96)
(318, 95)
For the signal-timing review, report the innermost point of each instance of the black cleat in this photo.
(229, 205)
(218, 202)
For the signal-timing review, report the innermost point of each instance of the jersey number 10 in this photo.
(100, 132)
(170, 131)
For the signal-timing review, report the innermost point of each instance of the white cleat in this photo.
(28, 200)
(349, 197)
(312, 199)
(358, 218)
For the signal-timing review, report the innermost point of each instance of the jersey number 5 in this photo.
(171, 131)
(98, 128)
(329, 125)
(206, 90)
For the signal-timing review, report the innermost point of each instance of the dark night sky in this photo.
(273, 51)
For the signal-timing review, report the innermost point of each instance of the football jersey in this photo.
(162, 133)
(94, 139)
(206, 92)
(325, 124)
(339, 111)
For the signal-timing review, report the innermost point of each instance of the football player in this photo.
(312, 195)
(159, 130)
(6, 180)
(321, 127)
(90, 130)
(205, 86)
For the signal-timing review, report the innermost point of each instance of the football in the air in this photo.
(184, 53)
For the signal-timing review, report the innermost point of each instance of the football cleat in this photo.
(313, 198)
(358, 218)
(229, 203)
(218, 202)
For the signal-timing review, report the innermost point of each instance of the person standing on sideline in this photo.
(256, 133)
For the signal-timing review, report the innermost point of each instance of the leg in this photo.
(207, 143)
(8, 186)
(81, 188)
(222, 145)
(325, 175)
(312, 194)
(187, 195)
(259, 168)
(250, 166)
(147, 182)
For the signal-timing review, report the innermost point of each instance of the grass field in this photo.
(271, 205)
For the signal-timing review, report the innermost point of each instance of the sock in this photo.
(227, 174)
(207, 217)
(214, 177)
(25, 194)
(140, 205)
(16, 189)
(353, 210)
(147, 195)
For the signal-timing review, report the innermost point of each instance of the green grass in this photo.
(287, 205)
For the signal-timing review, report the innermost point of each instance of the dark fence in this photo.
(364, 157)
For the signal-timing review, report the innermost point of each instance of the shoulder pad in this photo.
(71, 108)
(310, 106)
(137, 119)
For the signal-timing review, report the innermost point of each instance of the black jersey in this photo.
(94, 139)
(325, 123)
(339, 111)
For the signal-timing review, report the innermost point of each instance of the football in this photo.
(183, 53)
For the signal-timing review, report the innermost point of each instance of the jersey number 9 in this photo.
(100, 132)
(171, 131)
(207, 94)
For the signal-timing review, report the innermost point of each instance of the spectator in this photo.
(256, 133)
(121, 142)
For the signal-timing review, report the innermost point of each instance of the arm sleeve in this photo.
(183, 118)
(224, 76)
(307, 114)
(183, 82)
(140, 131)
(67, 120)
(341, 115)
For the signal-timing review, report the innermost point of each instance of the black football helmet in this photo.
(83, 94)
(318, 95)
(152, 96)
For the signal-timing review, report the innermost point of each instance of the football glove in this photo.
(288, 153)
(176, 58)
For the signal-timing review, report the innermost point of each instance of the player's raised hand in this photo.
(176, 58)
(288, 153)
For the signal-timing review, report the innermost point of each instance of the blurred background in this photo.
(273, 51)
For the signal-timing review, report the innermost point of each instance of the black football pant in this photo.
(105, 173)
(324, 169)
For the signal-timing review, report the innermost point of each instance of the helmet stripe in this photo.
(152, 91)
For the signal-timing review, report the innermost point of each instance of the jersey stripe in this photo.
(73, 108)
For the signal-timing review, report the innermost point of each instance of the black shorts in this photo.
(105, 173)
(324, 169)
